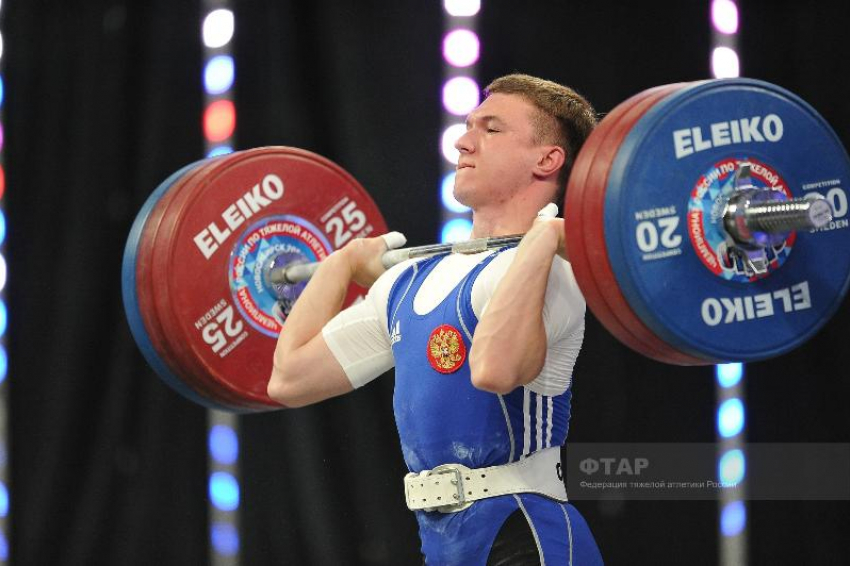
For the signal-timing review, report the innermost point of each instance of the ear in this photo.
(550, 161)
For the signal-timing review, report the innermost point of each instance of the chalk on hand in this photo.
(394, 240)
(550, 210)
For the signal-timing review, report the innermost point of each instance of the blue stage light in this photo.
(3, 318)
(4, 366)
(733, 518)
(224, 491)
(730, 417)
(219, 74)
(456, 230)
(220, 150)
(729, 374)
(4, 500)
(224, 444)
(732, 467)
(225, 538)
(447, 193)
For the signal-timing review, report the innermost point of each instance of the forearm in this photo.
(304, 369)
(509, 345)
(319, 302)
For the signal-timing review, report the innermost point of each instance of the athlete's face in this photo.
(497, 152)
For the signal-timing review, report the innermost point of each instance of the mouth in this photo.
(464, 166)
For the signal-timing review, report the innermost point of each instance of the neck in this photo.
(513, 216)
(487, 225)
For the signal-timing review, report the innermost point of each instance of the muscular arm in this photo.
(305, 370)
(509, 344)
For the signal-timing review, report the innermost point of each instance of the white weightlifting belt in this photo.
(452, 487)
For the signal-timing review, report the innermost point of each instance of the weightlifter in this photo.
(483, 344)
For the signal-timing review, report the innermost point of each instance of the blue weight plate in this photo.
(671, 176)
(131, 299)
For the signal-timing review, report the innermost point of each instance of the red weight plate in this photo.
(217, 234)
(164, 337)
(574, 220)
(578, 229)
(574, 224)
(193, 372)
(617, 315)
(593, 213)
(148, 286)
(130, 294)
(163, 333)
(579, 232)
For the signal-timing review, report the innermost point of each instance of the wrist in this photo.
(340, 261)
(542, 238)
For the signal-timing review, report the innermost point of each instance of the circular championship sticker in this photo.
(705, 210)
(274, 242)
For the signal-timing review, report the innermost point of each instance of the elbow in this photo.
(492, 378)
(282, 389)
(493, 383)
(502, 378)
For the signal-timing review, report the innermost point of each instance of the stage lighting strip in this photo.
(460, 95)
(4, 361)
(731, 407)
(219, 124)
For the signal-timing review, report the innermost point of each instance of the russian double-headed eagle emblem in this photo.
(446, 351)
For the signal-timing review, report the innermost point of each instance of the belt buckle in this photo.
(460, 503)
(454, 473)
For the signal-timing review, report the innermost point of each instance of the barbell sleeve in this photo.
(792, 214)
(744, 219)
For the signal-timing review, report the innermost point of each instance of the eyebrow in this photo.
(486, 118)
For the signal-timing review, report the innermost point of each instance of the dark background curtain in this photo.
(103, 101)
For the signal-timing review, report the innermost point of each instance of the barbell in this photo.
(705, 222)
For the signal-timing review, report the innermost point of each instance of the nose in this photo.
(464, 142)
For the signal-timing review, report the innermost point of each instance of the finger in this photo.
(394, 240)
(549, 211)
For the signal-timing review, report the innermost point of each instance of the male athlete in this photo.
(483, 345)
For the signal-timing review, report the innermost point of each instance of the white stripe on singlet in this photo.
(569, 531)
(501, 399)
(460, 315)
(539, 418)
(404, 295)
(510, 428)
(550, 411)
(534, 531)
(526, 422)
